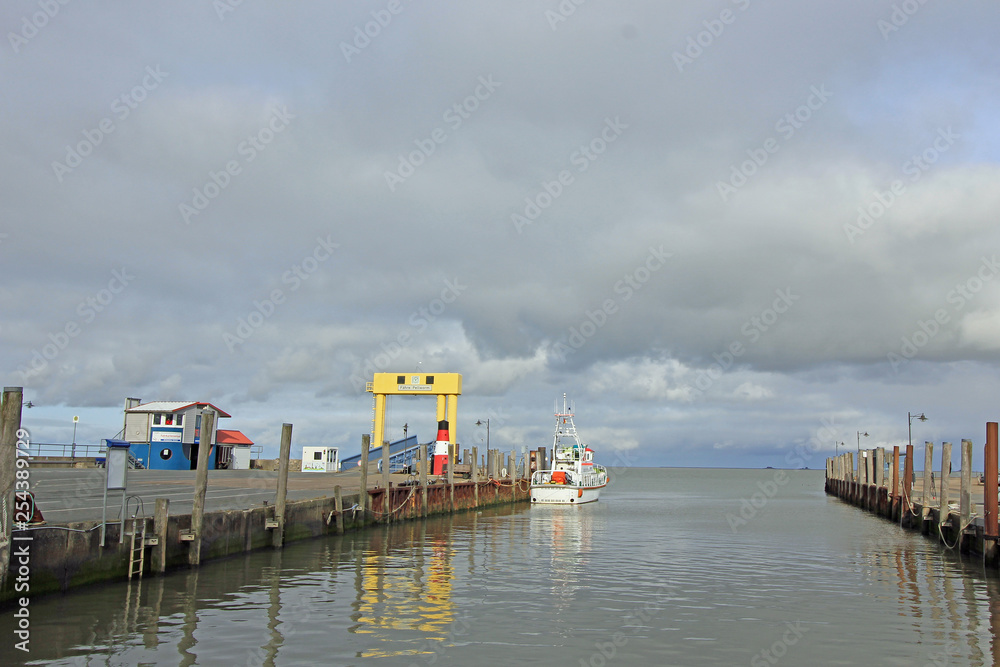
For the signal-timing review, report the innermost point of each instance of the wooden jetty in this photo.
(958, 508)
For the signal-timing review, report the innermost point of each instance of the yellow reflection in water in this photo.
(405, 592)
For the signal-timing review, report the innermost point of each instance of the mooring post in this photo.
(424, 464)
(894, 502)
(474, 476)
(906, 493)
(366, 443)
(451, 477)
(965, 496)
(925, 500)
(161, 516)
(338, 506)
(990, 493)
(386, 484)
(945, 475)
(10, 427)
(278, 536)
(207, 434)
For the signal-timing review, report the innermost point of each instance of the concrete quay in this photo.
(240, 515)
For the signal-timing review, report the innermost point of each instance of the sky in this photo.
(736, 233)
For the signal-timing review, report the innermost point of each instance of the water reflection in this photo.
(492, 586)
(947, 596)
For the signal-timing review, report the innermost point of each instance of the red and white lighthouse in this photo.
(440, 449)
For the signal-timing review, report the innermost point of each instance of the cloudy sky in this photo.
(730, 230)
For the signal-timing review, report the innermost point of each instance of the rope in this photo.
(413, 490)
(958, 540)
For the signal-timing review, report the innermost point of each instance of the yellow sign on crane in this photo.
(446, 386)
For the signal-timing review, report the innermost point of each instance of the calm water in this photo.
(661, 571)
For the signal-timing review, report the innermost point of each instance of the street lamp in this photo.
(75, 420)
(909, 424)
(859, 442)
(479, 422)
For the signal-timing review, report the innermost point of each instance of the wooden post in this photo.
(278, 536)
(338, 505)
(161, 517)
(386, 484)
(945, 470)
(880, 467)
(424, 465)
(512, 467)
(366, 444)
(906, 493)
(451, 477)
(207, 434)
(990, 492)
(925, 500)
(474, 474)
(965, 497)
(894, 505)
(10, 427)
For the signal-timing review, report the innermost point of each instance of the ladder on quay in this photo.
(137, 549)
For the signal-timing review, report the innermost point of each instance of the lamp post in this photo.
(75, 420)
(859, 442)
(479, 422)
(909, 424)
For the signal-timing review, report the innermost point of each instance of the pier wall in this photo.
(66, 557)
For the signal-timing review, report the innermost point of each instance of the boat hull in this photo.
(564, 494)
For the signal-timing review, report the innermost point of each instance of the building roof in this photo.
(175, 406)
(229, 437)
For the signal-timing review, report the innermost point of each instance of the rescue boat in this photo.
(573, 478)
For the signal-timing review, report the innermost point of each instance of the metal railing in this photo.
(77, 451)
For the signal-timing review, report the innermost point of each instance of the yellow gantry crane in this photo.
(446, 386)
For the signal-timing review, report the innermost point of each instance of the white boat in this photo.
(573, 478)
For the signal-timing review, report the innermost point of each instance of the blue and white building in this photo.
(166, 435)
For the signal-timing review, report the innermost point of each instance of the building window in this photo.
(156, 419)
(400, 379)
(317, 456)
(169, 420)
(180, 420)
(430, 379)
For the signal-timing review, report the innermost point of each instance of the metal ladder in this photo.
(137, 553)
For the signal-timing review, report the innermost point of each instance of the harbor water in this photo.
(670, 567)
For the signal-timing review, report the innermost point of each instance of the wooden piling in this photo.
(161, 516)
(366, 443)
(386, 484)
(338, 507)
(424, 464)
(945, 474)
(925, 499)
(451, 477)
(906, 493)
(990, 492)
(207, 433)
(278, 535)
(894, 498)
(10, 426)
(474, 474)
(965, 496)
